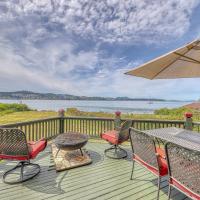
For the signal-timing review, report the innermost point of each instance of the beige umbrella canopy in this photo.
(181, 63)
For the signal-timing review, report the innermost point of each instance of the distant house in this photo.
(194, 106)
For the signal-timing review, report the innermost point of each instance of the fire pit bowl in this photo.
(70, 141)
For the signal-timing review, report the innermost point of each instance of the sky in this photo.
(84, 47)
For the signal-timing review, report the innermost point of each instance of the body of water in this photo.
(105, 106)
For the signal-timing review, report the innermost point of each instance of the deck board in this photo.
(104, 179)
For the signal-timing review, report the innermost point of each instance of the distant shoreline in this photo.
(150, 100)
(29, 95)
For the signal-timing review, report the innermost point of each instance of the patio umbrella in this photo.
(183, 62)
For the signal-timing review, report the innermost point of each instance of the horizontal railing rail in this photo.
(92, 126)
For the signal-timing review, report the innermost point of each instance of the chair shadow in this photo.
(96, 157)
(175, 194)
(129, 153)
(48, 181)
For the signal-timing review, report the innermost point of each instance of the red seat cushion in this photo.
(111, 136)
(184, 189)
(161, 152)
(161, 162)
(8, 157)
(36, 147)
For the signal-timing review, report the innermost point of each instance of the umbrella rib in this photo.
(192, 59)
(167, 63)
(188, 48)
(164, 68)
(187, 60)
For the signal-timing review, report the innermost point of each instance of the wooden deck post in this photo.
(61, 114)
(188, 121)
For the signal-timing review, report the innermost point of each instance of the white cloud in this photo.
(111, 21)
(43, 48)
(48, 77)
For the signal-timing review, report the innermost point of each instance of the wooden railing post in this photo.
(117, 120)
(188, 121)
(61, 114)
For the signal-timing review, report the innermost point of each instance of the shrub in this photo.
(172, 111)
(14, 107)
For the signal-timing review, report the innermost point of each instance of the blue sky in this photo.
(84, 47)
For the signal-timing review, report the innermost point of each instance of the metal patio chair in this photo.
(184, 170)
(14, 146)
(115, 138)
(148, 155)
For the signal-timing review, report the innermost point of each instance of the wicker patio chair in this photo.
(184, 170)
(115, 138)
(148, 155)
(14, 146)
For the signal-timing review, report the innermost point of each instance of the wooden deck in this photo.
(104, 179)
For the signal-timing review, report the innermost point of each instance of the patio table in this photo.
(182, 137)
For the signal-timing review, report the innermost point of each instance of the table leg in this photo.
(57, 152)
(81, 151)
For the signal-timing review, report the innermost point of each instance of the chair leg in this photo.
(23, 176)
(115, 146)
(22, 171)
(132, 170)
(158, 188)
(169, 192)
(115, 152)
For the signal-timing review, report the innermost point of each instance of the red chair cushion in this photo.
(161, 162)
(161, 152)
(8, 157)
(111, 136)
(36, 147)
(184, 189)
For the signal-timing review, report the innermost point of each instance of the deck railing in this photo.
(37, 129)
(93, 127)
(196, 126)
(90, 126)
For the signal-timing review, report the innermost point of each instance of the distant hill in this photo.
(21, 95)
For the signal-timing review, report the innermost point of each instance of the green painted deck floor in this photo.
(103, 179)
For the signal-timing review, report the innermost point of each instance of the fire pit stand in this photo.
(70, 141)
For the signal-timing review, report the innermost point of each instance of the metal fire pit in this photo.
(70, 141)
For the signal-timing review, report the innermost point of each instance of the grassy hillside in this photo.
(25, 116)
